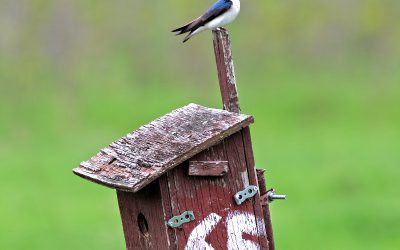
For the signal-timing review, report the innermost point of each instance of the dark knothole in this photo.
(143, 226)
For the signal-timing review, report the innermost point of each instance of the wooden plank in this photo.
(220, 222)
(258, 209)
(142, 156)
(167, 209)
(266, 213)
(226, 71)
(143, 219)
(208, 168)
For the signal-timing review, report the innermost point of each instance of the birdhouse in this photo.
(187, 180)
(183, 177)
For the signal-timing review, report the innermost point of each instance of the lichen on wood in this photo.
(140, 157)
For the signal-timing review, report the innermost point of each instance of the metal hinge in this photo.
(245, 194)
(178, 220)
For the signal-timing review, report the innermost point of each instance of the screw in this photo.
(272, 196)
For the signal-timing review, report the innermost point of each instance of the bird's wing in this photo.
(220, 7)
(216, 10)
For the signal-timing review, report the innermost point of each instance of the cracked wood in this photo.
(226, 71)
(142, 156)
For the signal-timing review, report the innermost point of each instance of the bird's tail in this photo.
(188, 36)
(183, 29)
(191, 27)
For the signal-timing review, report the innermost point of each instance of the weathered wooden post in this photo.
(229, 94)
(226, 71)
(187, 180)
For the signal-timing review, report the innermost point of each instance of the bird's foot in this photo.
(220, 29)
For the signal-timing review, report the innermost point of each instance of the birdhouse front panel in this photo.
(220, 222)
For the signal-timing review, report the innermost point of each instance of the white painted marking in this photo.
(238, 223)
(261, 227)
(197, 238)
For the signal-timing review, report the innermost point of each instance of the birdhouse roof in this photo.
(135, 160)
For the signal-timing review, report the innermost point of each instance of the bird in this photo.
(220, 14)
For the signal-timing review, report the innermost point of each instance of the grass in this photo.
(327, 135)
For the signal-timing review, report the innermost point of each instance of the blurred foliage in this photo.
(320, 77)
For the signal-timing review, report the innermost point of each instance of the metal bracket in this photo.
(245, 194)
(178, 220)
(270, 196)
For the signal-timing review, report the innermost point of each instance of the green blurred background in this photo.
(322, 79)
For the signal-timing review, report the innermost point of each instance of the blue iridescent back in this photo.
(220, 5)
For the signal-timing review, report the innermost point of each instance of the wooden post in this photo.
(226, 71)
(229, 94)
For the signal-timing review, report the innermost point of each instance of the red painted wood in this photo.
(259, 210)
(208, 168)
(266, 213)
(167, 209)
(143, 218)
(205, 196)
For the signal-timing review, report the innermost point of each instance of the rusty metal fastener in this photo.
(270, 196)
(273, 196)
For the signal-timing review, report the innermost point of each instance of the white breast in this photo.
(225, 18)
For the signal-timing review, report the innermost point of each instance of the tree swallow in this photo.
(221, 13)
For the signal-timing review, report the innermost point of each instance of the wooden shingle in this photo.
(135, 160)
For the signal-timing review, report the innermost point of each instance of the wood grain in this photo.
(208, 168)
(143, 218)
(142, 156)
(205, 196)
(266, 212)
(226, 71)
